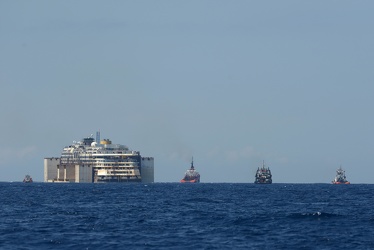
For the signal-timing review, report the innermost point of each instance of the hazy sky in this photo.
(231, 83)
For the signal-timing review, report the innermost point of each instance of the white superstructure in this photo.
(90, 161)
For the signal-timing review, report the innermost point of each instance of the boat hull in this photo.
(263, 182)
(338, 182)
(190, 181)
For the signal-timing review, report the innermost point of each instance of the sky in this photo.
(229, 83)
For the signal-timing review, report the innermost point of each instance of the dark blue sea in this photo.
(186, 216)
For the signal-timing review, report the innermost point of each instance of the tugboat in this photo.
(340, 177)
(191, 175)
(27, 179)
(263, 175)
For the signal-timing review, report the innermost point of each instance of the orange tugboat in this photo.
(340, 177)
(191, 175)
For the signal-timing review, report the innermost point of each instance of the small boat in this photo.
(340, 177)
(191, 175)
(27, 179)
(263, 175)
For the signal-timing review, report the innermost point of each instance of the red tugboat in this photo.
(340, 177)
(27, 179)
(191, 175)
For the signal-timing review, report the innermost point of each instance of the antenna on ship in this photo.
(192, 167)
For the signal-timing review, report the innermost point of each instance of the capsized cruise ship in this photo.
(91, 160)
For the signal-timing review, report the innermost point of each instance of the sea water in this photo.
(186, 216)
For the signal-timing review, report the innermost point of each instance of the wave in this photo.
(202, 200)
(312, 215)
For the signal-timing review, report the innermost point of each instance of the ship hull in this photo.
(190, 181)
(263, 182)
(338, 182)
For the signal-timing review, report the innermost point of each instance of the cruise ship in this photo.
(91, 160)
